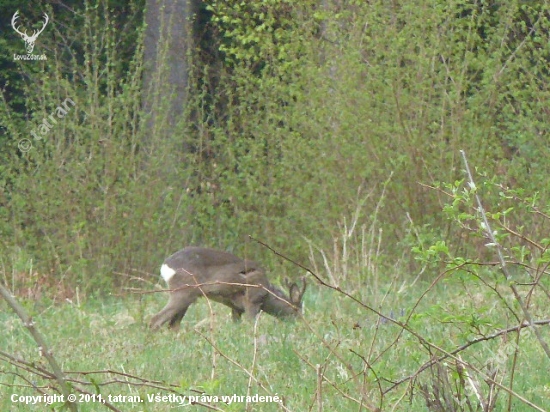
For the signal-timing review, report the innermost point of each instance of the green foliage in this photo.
(504, 275)
(300, 117)
(257, 34)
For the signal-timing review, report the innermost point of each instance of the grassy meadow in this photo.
(340, 356)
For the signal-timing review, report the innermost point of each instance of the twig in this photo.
(234, 362)
(423, 341)
(42, 346)
(461, 348)
(501, 259)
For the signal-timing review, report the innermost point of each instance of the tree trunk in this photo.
(168, 37)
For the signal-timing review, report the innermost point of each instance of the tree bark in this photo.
(168, 37)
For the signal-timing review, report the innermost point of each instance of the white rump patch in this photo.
(166, 272)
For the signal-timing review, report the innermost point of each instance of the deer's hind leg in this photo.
(174, 311)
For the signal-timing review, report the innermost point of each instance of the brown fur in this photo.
(222, 277)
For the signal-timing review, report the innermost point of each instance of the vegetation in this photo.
(331, 133)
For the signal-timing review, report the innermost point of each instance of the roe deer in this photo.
(240, 284)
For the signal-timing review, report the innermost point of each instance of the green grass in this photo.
(211, 355)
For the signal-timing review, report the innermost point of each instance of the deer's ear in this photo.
(296, 293)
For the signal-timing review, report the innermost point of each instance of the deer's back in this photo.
(203, 265)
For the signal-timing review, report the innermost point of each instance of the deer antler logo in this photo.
(29, 40)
